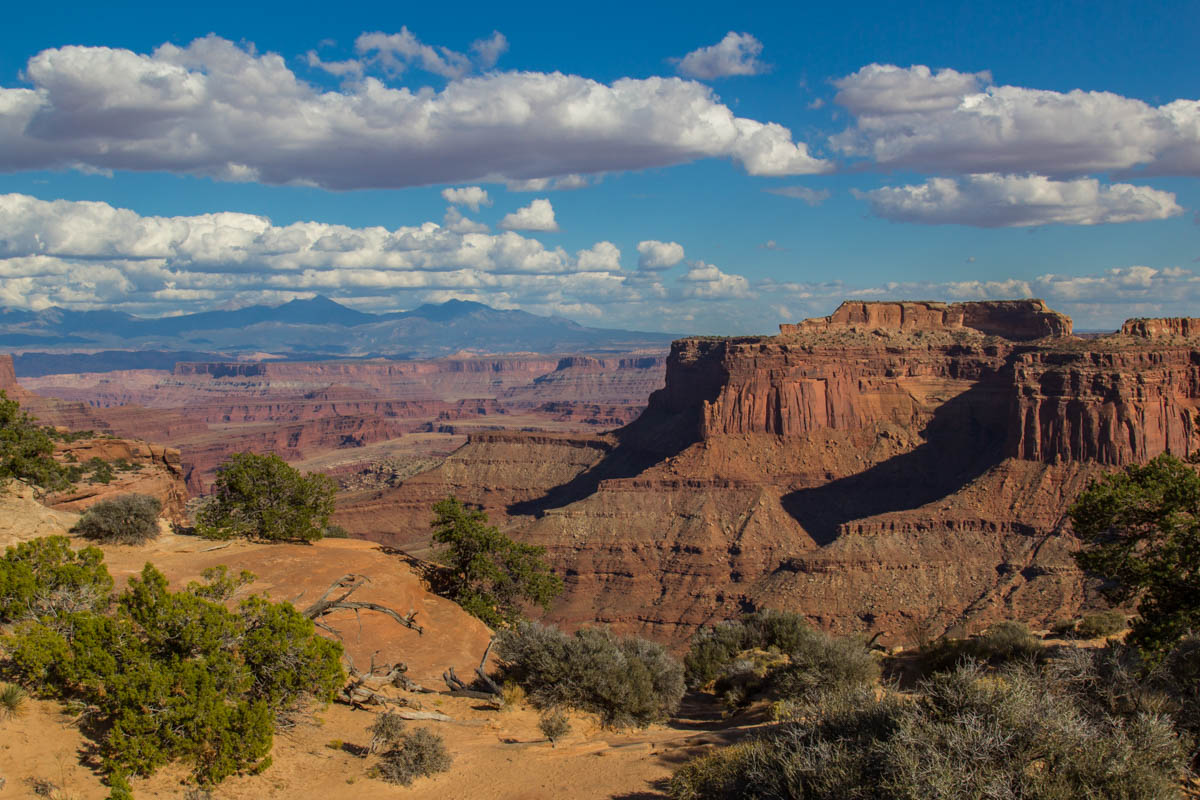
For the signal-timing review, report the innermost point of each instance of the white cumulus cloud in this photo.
(993, 201)
(537, 216)
(706, 280)
(218, 109)
(948, 121)
(736, 54)
(654, 256)
(601, 257)
(470, 196)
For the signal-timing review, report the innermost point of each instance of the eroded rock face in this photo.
(1148, 328)
(8, 378)
(150, 469)
(893, 466)
(1111, 403)
(1018, 320)
(312, 410)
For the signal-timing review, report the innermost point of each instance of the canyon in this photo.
(347, 417)
(892, 468)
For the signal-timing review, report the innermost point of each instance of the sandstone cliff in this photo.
(1185, 327)
(1019, 320)
(889, 466)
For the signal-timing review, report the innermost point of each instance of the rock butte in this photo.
(893, 466)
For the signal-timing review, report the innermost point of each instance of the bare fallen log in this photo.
(434, 715)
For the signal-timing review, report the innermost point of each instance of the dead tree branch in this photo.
(363, 688)
(349, 584)
(457, 687)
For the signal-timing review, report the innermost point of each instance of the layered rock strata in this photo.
(892, 467)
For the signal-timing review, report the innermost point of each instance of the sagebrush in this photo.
(776, 652)
(416, 754)
(968, 733)
(126, 519)
(626, 680)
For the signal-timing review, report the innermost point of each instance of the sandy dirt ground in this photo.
(496, 754)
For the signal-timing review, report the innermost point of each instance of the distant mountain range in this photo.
(302, 329)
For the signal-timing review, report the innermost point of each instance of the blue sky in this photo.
(680, 167)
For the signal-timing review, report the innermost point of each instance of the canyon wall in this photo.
(891, 467)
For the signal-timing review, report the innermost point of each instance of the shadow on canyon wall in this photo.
(964, 439)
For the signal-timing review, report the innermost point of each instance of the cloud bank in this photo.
(93, 255)
(997, 201)
(216, 109)
(950, 121)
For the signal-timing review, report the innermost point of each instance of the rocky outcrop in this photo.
(892, 466)
(23, 518)
(8, 376)
(1149, 328)
(1018, 320)
(142, 468)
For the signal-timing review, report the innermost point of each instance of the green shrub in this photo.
(715, 648)
(717, 774)
(1179, 676)
(219, 585)
(824, 663)
(1005, 641)
(12, 701)
(967, 734)
(417, 754)
(1000, 644)
(736, 658)
(44, 578)
(336, 532)
(127, 519)
(260, 497)
(173, 675)
(626, 680)
(26, 449)
(1139, 533)
(1118, 681)
(554, 724)
(1104, 623)
(488, 573)
(101, 471)
(712, 650)
(1063, 628)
